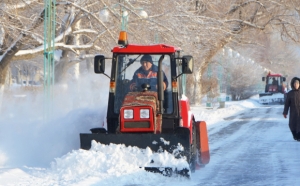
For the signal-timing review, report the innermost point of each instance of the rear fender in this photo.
(187, 116)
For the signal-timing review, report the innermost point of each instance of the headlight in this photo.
(144, 113)
(128, 113)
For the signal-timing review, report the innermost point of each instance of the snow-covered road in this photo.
(254, 148)
(250, 144)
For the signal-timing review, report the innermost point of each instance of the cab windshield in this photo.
(274, 81)
(128, 65)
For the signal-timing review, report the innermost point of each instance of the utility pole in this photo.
(209, 94)
(49, 46)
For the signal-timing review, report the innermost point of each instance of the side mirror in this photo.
(187, 64)
(263, 78)
(283, 79)
(99, 64)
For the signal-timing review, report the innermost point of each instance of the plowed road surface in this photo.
(252, 148)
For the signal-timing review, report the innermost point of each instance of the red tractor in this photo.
(274, 89)
(146, 118)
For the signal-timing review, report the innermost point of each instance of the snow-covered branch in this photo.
(5, 59)
(25, 54)
(245, 23)
(85, 31)
(33, 35)
(235, 8)
(23, 4)
(88, 12)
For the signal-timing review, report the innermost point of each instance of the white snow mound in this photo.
(107, 160)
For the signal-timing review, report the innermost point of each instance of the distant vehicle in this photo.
(27, 83)
(274, 89)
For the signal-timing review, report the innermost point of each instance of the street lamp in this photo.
(124, 20)
(143, 14)
(104, 14)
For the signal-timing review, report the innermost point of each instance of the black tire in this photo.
(193, 151)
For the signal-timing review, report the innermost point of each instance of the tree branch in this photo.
(245, 23)
(235, 8)
(15, 47)
(26, 54)
(88, 12)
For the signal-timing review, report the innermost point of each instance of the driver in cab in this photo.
(147, 73)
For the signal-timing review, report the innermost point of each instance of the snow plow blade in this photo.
(156, 142)
(168, 171)
(271, 98)
(265, 94)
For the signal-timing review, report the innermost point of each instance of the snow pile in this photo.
(231, 108)
(106, 162)
(38, 142)
(250, 103)
(109, 158)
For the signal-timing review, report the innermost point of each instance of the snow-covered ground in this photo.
(36, 154)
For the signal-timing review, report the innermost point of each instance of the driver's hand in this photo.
(133, 87)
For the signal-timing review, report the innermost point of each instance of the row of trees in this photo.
(265, 30)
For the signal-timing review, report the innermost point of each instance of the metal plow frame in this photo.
(168, 171)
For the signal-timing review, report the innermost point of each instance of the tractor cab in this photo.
(125, 61)
(274, 83)
(121, 80)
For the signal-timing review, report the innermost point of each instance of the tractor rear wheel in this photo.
(194, 148)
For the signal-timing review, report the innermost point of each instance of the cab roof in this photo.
(274, 75)
(146, 49)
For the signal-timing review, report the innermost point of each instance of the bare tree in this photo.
(244, 77)
(199, 27)
(229, 22)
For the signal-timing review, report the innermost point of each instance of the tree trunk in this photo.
(203, 66)
(14, 48)
(1, 95)
(3, 76)
(3, 72)
(6, 59)
(193, 92)
(61, 69)
(9, 79)
(62, 66)
(89, 63)
(197, 90)
(77, 42)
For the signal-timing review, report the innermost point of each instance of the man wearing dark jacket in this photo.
(292, 104)
(147, 73)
